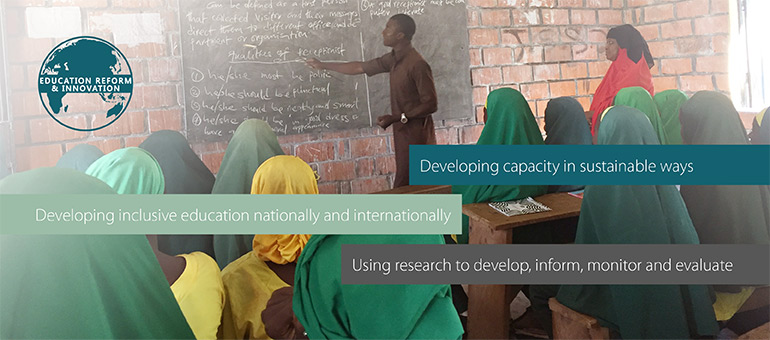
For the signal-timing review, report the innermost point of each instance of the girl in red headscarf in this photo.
(631, 63)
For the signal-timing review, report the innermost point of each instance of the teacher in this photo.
(412, 92)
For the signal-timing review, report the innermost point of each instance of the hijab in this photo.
(565, 124)
(668, 103)
(509, 122)
(80, 157)
(638, 214)
(183, 173)
(129, 171)
(81, 286)
(641, 100)
(630, 68)
(729, 214)
(288, 175)
(252, 143)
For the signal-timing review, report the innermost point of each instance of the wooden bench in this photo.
(418, 189)
(569, 324)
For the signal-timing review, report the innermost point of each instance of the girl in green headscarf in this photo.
(84, 286)
(183, 173)
(668, 103)
(565, 124)
(252, 143)
(129, 171)
(330, 310)
(638, 214)
(509, 121)
(80, 157)
(638, 98)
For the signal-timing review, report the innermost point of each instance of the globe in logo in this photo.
(85, 83)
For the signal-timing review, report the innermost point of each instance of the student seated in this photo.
(566, 125)
(641, 100)
(251, 279)
(252, 143)
(81, 286)
(668, 103)
(760, 133)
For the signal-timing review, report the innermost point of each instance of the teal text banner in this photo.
(230, 214)
(589, 164)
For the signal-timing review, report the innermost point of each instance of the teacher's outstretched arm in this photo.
(350, 68)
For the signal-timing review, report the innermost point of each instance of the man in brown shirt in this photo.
(412, 92)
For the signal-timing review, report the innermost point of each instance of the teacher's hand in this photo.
(314, 63)
(385, 120)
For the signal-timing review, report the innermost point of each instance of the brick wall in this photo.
(544, 48)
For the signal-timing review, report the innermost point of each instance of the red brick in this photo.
(598, 35)
(368, 146)
(662, 48)
(558, 53)
(546, 72)
(583, 17)
(681, 28)
(658, 13)
(712, 24)
(26, 103)
(294, 139)
(479, 95)
(28, 50)
(343, 150)
(570, 3)
(135, 141)
(618, 3)
(338, 171)
(649, 32)
(515, 36)
(585, 102)
(288, 149)
(638, 3)
(369, 185)
(473, 18)
(497, 17)
(212, 160)
(535, 91)
(475, 54)
(498, 56)
(529, 54)
(610, 17)
(144, 50)
(470, 134)
(158, 96)
(532, 106)
(328, 188)
(562, 88)
(574, 70)
(592, 85)
(364, 167)
(486, 76)
(105, 145)
(137, 3)
(720, 43)
(517, 74)
(166, 69)
(20, 132)
(723, 82)
(131, 123)
(545, 34)
(712, 64)
(692, 8)
(541, 105)
(585, 52)
(525, 17)
(447, 136)
(720, 6)
(479, 115)
(165, 120)
(483, 36)
(694, 45)
(482, 3)
(315, 152)
(17, 78)
(81, 3)
(696, 83)
(541, 3)
(598, 3)
(48, 130)
(14, 23)
(33, 157)
(555, 16)
(385, 165)
(676, 66)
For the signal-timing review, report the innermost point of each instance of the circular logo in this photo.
(85, 83)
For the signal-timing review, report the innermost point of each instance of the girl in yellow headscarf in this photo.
(251, 280)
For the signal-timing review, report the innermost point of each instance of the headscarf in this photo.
(668, 103)
(282, 175)
(183, 173)
(641, 100)
(253, 143)
(565, 124)
(509, 122)
(80, 157)
(729, 214)
(650, 214)
(630, 68)
(760, 133)
(330, 310)
(81, 286)
(129, 171)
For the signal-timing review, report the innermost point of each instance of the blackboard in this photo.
(245, 59)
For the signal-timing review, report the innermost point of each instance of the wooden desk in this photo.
(418, 189)
(488, 305)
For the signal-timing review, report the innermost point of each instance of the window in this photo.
(750, 56)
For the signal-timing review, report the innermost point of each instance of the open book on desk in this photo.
(519, 207)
